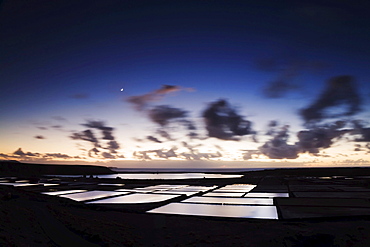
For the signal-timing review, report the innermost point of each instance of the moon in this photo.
(122, 90)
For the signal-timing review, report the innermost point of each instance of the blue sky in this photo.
(64, 63)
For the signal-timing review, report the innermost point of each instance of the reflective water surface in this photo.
(237, 211)
(187, 193)
(236, 188)
(136, 198)
(229, 200)
(18, 184)
(268, 195)
(230, 194)
(62, 192)
(90, 195)
(168, 175)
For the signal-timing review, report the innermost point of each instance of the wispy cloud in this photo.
(107, 141)
(140, 102)
(341, 92)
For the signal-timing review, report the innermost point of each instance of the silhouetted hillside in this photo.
(15, 168)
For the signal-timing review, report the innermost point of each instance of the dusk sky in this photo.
(254, 82)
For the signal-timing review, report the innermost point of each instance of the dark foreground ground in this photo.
(33, 219)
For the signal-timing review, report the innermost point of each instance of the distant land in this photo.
(15, 168)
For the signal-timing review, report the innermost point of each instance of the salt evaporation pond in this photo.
(229, 194)
(230, 200)
(169, 175)
(91, 195)
(61, 192)
(268, 195)
(135, 198)
(235, 211)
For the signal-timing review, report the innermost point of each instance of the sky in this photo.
(185, 83)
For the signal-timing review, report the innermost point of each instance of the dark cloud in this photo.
(224, 123)
(248, 154)
(40, 137)
(278, 148)
(58, 155)
(86, 135)
(194, 135)
(339, 99)
(113, 146)
(188, 124)
(141, 155)
(271, 127)
(317, 138)
(361, 131)
(341, 92)
(163, 133)
(94, 151)
(191, 147)
(171, 153)
(163, 114)
(79, 96)
(29, 156)
(141, 102)
(100, 125)
(107, 155)
(57, 126)
(106, 141)
(309, 141)
(153, 139)
(161, 153)
(196, 155)
(107, 135)
(42, 128)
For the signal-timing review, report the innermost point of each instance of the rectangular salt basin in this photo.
(90, 195)
(195, 188)
(240, 186)
(104, 184)
(136, 198)
(140, 190)
(236, 188)
(231, 194)
(18, 184)
(187, 193)
(235, 211)
(268, 195)
(168, 176)
(46, 184)
(165, 186)
(62, 192)
(226, 200)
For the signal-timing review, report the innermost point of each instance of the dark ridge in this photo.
(314, 172)
(11, 168)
